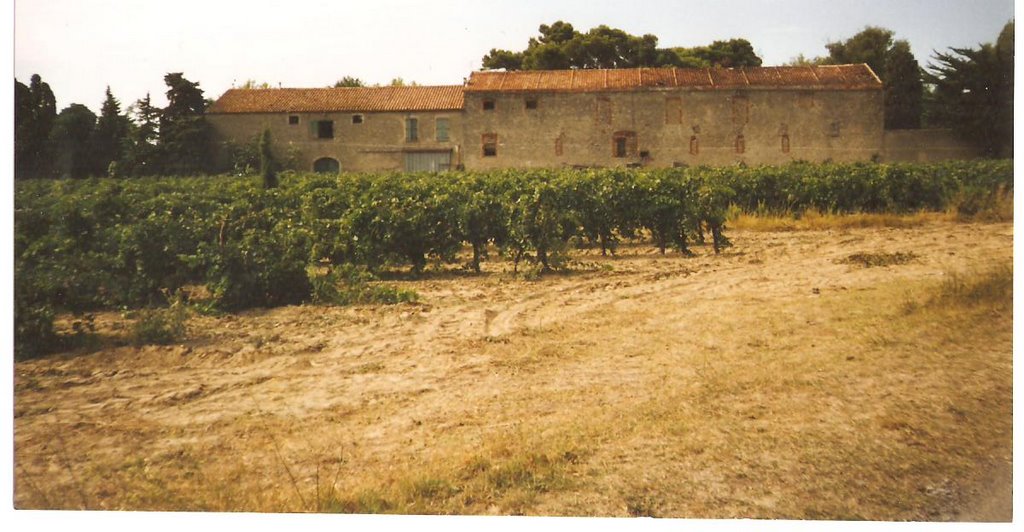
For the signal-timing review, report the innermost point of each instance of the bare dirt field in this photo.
(781, 379)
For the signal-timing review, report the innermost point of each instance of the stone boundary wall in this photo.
(925, 145)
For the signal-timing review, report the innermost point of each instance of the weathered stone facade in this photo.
(545, 119)
(358, 141)
(671, 127)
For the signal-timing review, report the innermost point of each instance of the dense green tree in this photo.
(111, 131)
(894, 64)
(70, 140)
(725, 54)
(184, 133)
(349, 81)
(973, 93)
(904, 88)
(35, 110)
(253, 84)
(141, 153)
(560, 46)
(802, 60)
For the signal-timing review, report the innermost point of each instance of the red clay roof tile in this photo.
(441, 98)
(850, 77)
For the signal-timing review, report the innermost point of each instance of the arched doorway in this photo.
(326, 165)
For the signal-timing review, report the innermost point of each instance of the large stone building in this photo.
(656, 117)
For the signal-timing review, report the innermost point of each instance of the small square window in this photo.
(325, 129)
(357, 119)
(531, 103)
(488, 105)
(293, 120)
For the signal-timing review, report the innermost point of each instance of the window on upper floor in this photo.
(412, 133)
(325, 129)
(488, 104)
(673, 110)
(293, 120)
(357, 119)
(441, 130)
(531, 104)
(603, 110)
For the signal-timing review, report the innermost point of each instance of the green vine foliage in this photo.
(84, 245)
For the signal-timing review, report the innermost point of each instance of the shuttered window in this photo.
(441, 129)
(624, 144)
(412, 133)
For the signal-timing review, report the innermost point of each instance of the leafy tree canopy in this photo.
(253, 84)
(349, 81)
(35, 110)
(973, 93)
(893, 63)
(560, 46)
(70, 136)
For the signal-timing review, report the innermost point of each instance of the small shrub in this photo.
(353, 285)
(869, 260)
(160, 326)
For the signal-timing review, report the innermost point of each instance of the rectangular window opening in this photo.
(488, 105)
(293, 120)
(441, 129)
(325, 129)
(490, 144)
(412, 133)
(603, 113)
(531, 103)
(624, 144)
(357, 119)
(673, 110)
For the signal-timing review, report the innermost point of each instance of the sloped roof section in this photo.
(357, 99)
(835, 77)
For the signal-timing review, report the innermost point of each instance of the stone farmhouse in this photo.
(656, 117)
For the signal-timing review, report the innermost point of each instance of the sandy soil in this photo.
(771, 381)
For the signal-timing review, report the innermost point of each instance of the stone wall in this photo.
(925, 145)
(377, 143)
(662, 128)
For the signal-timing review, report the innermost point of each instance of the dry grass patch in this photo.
(814, 220)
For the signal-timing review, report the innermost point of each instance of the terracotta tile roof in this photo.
(848, 77)
(441, 98)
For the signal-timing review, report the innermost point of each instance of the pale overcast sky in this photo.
(81, 46)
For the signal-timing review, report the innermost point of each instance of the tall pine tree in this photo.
(140, 151)
(974, 93)
(109, 136)
(35, 110)
(184, 133)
